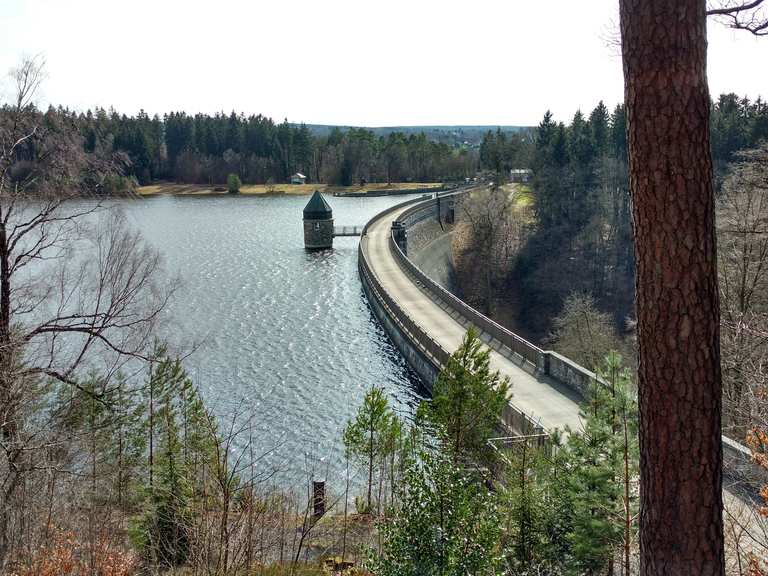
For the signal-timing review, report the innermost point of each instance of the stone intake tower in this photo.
(318, 223)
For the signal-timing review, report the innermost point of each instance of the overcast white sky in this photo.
(350, 62)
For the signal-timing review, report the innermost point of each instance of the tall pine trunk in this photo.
(370, 462)
(664, 47)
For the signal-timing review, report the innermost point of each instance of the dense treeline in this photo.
(205, 149)
(572, 263)
(582, 237)
(736, 124)
(501, 152)
(575, 234)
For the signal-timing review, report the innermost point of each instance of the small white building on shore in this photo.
(522, 175)
(298, 178)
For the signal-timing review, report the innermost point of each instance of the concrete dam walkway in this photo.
(545, 402)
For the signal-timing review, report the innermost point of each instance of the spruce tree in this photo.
(368, 436)
(467, 400)
(599, 127)
(163, 531)
(447, 524)
(109, 420)
(233, 183)
(181, 440)
(526, 539)
(601, 468)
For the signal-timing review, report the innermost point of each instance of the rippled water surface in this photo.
(287, 335)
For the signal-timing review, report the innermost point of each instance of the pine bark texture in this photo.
(664, 47)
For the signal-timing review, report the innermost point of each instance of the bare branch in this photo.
(739, 15)
(28, 77)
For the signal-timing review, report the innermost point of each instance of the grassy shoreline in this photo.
(175, 189)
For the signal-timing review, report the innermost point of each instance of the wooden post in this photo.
(318, 500)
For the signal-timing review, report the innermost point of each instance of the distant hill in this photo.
(454, 135)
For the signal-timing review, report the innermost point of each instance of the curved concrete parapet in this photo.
(426, 322)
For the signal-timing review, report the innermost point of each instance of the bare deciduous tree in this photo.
(742, 232)
(77, 288)
(498, 230)
(584, 334)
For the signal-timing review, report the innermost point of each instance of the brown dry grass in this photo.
(176, 189)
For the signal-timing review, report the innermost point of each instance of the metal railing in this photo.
(347, 230)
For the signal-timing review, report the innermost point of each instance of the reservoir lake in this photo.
(287, 342)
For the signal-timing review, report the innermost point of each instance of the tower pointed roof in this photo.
(317, 208)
